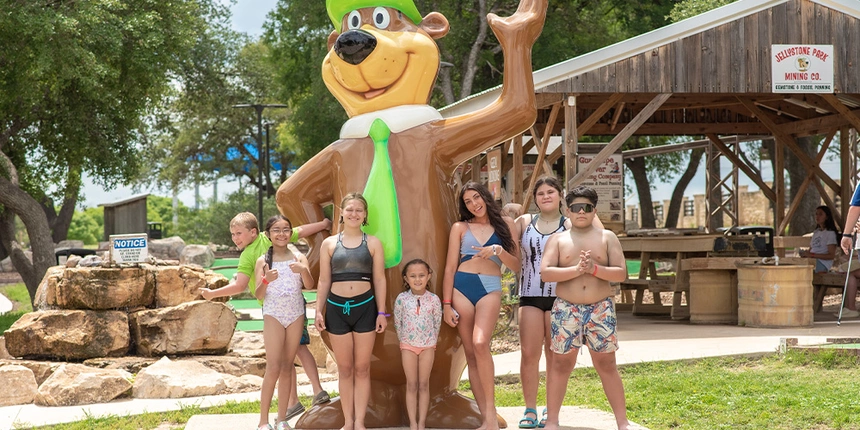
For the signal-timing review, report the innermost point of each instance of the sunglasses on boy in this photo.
(576, 207)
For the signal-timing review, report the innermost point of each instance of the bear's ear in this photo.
(435, 24)
(332, 38)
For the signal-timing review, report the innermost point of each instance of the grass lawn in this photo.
(792, 391)
(17, 293)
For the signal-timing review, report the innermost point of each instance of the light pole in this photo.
(259, 109)
(268, 156)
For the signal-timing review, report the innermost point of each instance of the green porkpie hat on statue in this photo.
(337, 9)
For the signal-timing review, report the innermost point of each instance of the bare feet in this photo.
(624, 426)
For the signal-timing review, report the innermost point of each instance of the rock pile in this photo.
(100, 316)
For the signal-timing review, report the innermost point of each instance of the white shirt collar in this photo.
(397, 119)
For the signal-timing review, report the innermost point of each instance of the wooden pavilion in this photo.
(711, 75)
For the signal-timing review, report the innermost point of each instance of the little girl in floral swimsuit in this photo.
(417, 318)
(280, 277)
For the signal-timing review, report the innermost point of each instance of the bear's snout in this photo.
(354, 46)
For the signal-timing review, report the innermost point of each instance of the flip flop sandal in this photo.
(528, 422)
(542, 423)
(294, 411)
(321, 398)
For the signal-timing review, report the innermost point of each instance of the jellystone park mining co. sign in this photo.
(128, 248)
(802, 68)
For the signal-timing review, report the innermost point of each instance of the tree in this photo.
(689, 8)
(77, 80)
(200, 137)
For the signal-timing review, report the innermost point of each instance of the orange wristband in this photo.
(265, 281)
(594, 273)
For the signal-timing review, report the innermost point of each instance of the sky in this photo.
(248, 17)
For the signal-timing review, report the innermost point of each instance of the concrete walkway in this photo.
(642, 339)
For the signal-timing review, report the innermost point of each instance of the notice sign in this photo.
(128, 248)
(608, 181)
(802, 68)
(494, 173)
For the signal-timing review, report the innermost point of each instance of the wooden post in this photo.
(517, 189)
(571, 140)
(476, 168)
(845, 169)
(779, 186)
(714, 190)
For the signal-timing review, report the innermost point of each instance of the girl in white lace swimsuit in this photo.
(280, 276)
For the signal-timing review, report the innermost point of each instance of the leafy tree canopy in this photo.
(78, 80)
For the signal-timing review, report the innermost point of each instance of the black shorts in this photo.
(542, 303)
(350, 314)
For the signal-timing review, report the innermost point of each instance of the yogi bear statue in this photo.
(401, 155)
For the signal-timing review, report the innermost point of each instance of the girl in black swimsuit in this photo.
(352, 293)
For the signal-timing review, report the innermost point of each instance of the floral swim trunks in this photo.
(572, 325)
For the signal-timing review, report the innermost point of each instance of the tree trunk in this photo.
(31, 213)
(803, 220)
(470, 65)
(643, 188)
(678, 193)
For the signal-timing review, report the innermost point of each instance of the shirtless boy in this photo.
(583, 261)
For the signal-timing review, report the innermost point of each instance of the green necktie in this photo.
(383, 215)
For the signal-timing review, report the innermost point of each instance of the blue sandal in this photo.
(528, 422)
(542, 423)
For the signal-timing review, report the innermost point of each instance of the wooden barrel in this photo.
(713, 297)
(775, 296)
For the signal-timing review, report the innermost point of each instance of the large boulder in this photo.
(19, 385)
(245, 344)
(166, 249)
(42, 370)
(76, 384)
(103, 288)
(166, 379)
(130, 364)
(241, 384)
(47, 287)
(200, 255)
(69, 334)
(4, 354)
(236, 366)
(198, 327)
(175, 285)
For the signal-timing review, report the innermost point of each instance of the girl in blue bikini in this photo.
(477, 247)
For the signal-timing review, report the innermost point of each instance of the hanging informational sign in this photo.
(802, 68)
(608, 181)
(494, 172)
(128, 248)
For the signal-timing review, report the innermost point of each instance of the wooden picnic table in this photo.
(663, 247)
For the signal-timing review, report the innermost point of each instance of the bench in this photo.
(821, 282)
(655, 286)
